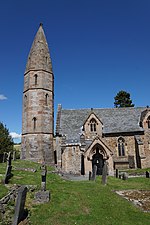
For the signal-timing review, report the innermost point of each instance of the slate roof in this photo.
(115, 120)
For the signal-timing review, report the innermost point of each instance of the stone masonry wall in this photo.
(37, 147)
(71, 160)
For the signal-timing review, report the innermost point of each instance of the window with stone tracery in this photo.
(121, 147)
(93, 125)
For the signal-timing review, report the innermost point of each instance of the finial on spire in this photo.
(41, 24)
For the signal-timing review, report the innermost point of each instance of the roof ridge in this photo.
(123, 108)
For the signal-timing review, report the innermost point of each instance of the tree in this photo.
(122, 99)
(6, 142)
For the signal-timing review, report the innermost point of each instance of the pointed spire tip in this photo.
(41, 24)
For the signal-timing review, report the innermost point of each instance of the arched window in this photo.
(34, 123)
(46, 60)
(35, 79)
(93, 125)
(148, 122)
(25, 101)
(46, 99)
(121, 147)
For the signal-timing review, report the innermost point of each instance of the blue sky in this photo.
(98, 47)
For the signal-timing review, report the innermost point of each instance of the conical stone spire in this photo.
(39, 56)
(38, 103)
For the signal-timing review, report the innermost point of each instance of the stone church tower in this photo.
(38, 103)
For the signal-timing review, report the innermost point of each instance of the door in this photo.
(98, 161)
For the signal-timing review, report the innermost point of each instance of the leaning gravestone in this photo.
(90, 174)
(43, 196)
(20, 213)
(104, 174)
(94, 173)
(8, 173)
(147, 174)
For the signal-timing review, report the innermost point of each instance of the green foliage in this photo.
(6, 142)
(122, 99)
(3, 191)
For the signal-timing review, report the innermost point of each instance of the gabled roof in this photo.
(92, 115)
(39, 56)
(115, 120)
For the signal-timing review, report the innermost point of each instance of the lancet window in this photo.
(46, 99)
(93, 125)
(34, 123)
(121, 147)
(35, 79)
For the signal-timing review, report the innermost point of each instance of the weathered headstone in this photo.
(124, 176)
(104, 173)
(43, 174)
(90, 174)
(94, 173)
(8, 173)
(147, 174)
(43, 196)
(20, 213)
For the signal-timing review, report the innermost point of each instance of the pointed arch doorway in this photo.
(97, 159)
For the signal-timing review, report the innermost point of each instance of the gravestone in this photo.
(120, 175)
(117, 173)
(90, 174)
(8, 173)
(104, 173)
(43, 174)
(124, 176)
(147, 174)
(43, 196)
(94, 173)
(20, 213)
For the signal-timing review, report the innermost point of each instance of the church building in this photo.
(83, 137)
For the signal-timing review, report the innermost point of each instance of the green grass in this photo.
(81, 202)
(135, 171)
(3, 191)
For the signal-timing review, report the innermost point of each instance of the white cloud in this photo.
(3, 97)
(15, 135)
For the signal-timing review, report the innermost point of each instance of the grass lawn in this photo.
(80, 202)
